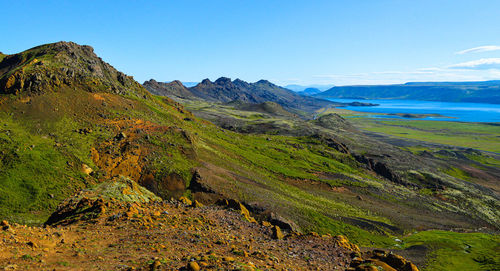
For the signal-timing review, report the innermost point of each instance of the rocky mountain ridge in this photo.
(225, 90)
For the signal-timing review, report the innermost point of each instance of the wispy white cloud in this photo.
(404, 72)
(430, 70)
(431, 74)
(476, 70)
(480, 49)
(480, 64)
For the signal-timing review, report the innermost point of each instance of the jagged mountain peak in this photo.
(263, 81)
(223, 81)
(206, 82)
(238, 80)
(177, 83)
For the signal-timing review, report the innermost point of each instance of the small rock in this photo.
(196, 204)
(156, 213)
(155, 265)
(5, 225)
(120, 136)
(185, 200)
(193, 266)
(10, 267)
(86, 169)
(32, 245)
(277, 233)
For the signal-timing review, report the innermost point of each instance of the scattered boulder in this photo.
(5, 225)
(228, 259)
(277, 233)
(236, 205)
(193, 266)
(155, 265)
(283, 223)
(196, 204)
(386, 261)
(120, 136)
(131, 212)
(342, 241)
(185, 200)
(32, 244)
(91, 203)
(86, 169)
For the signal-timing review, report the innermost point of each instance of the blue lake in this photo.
(467, 112)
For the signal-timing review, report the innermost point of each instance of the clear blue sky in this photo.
(305, 42)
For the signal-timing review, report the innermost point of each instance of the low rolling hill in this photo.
(480, 92)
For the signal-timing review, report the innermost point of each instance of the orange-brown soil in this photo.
(168, 236)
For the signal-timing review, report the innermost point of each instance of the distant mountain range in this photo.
(190, 84)
(225, 90)
(309, 91)
(300, 88)
(481, 92)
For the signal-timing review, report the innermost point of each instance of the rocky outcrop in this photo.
(91, 203)
(238, 206)
(331, 142)
(379, 259)
(380, 168)
(196, 184)
(59, 65)
(333, 121)
(283, 223)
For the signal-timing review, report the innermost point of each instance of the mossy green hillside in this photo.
(46, 139)
(481, 136)
(457, 251)
(34, 174)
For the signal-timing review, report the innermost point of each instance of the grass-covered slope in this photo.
(435, 201)
(481, 136)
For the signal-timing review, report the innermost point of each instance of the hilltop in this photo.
(61, 65)
(309, 91)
